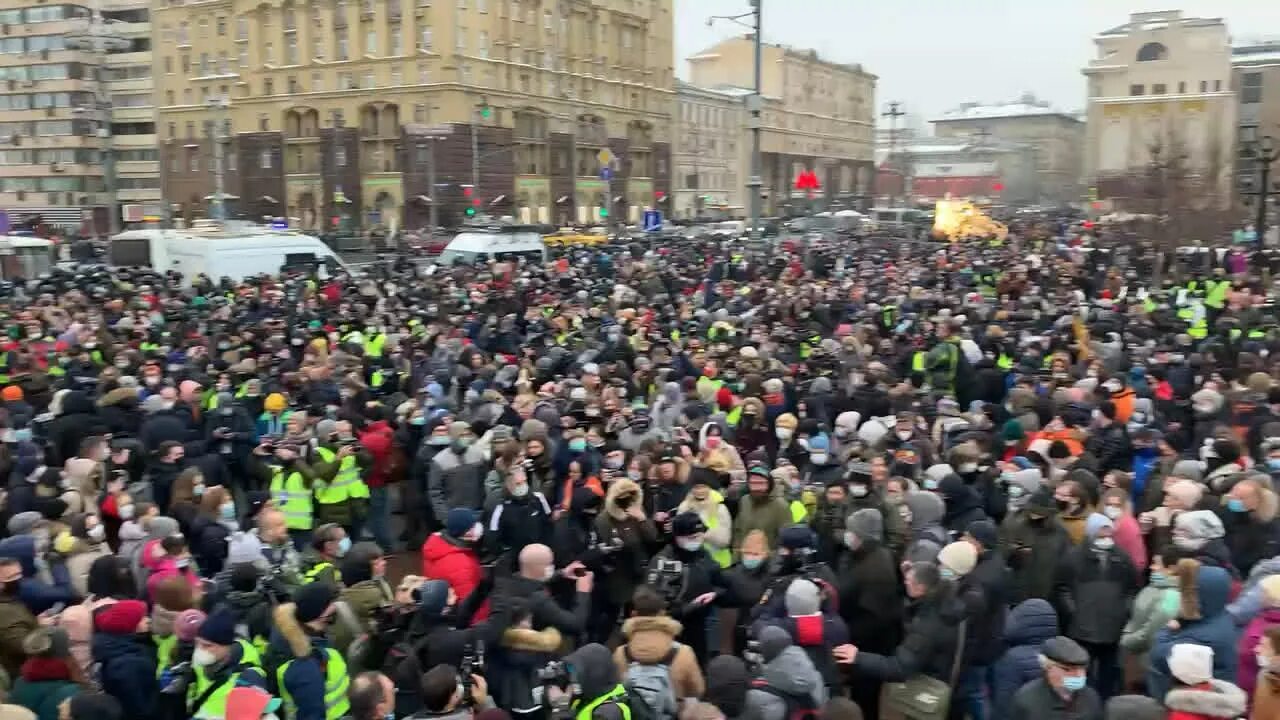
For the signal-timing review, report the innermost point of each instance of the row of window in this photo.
(1138, 89)
(31, 44)
(1251, 87)
(56, 183)
(43, 13)
(47, 71)
(128, 72)
(138, 183)
(142, 155)
(49, 155)
(36, 101)
(44, 127)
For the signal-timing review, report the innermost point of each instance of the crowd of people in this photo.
(1025, 480)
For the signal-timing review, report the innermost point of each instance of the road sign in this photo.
(604, 156)
(652, 220)
(606, 173)
(4, 223)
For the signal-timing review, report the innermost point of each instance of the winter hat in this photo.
(1094, 523)
(795, 537)
(1191, 664)
(273, 403)
(532, 429)
(803, 598)
(12, 393)
(985, 532)
(433, 595)
(1188, 469)
(250, 703)
(1041, 502)
(243, 548)
(960, 557)
(121, 618)
(1271, 590)
(188, 624)
(47, 642)
(1064, 651)
(1134, 707)
(24, 522)
(219, 628)
(1200, 525)
(773, 640)
(162, 526)
(501, 433)
(727, 685)
(458, 429)
(459, 521)
(867, 524)
(939, 471)
(786, 420)
(95, 706)
(312, 600)
(1187, 492)
(819, 443)
(686, 524)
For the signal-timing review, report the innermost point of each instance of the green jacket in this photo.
(42, 697)
(1152, 610)
(769, 515)
(362, 599)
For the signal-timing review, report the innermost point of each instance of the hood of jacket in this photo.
(290, 637)
(1031, 622)
(108, 647)
(593, 669)
(618, 488)
(76, 402)
(958, 498)
(927, 509)
(1215, 699)
(120, 396)
(243, 601)
(1204, 593)
(791, 672)
(529, 640)
(650, 638)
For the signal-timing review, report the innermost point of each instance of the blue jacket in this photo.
(306, 655)
(128, 672)
(1215, 629)
(1029, 624)
(36, 594)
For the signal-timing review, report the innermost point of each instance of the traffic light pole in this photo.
(757, 166)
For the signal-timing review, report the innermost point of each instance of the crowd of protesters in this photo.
(1029, 479)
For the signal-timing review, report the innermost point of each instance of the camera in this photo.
(667, 577)
(472, 663)
(175, 680)
(553, 673)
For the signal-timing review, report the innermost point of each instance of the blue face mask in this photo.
(1236, 505)
(344, 546)
(930, 484)
(418, 421)
(1272, 463)
(1073, 683)
(751, 563)
(22, 435)
(577, 445)
(1159, 579)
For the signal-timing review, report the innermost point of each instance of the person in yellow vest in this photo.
(704, 498)
(311, 677)
(289, 479)
(341, 495)
(221, 662)
(329, 544)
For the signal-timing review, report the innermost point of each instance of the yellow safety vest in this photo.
(335, 687)
(617, 694)
(1199, 331)
(312, 574)
(724, 556)
(215, 706)
(917, 362)
(373, 345)
(293, 498)
(346, 484)
(1216, 297)
(164, 651)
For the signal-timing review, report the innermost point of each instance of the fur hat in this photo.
(1191, 664)
(47, 642)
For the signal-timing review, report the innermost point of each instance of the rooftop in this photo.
(1259, 52)
(1160, 20)
(1025, 106)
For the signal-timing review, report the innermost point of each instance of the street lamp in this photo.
(755, 104)
(1264, 153)
(96, 38)
(220, 104)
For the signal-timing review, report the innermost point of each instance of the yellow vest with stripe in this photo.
(1216, 297)
(617, 694)
(346, 484)
(799, 513)
(373, 345)
(336, 681)
(1200, 330)
(215, 706)
(312, 574)
(164, 651)
(723, 556)
(293, 497)
(917, 362)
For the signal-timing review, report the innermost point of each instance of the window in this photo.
(221, 25)
(346, 81)
(168, 97)
(426, 39)
(482, 44)
(291, 50)
(184, 36)
(187, 96)
(1136, 90)
(317, 81)
(460, 40)
(397, 40)
(1158, 89)
(242, 29)
(264, 159)
(1152, 51)
(370, 42)
(168, 64)
(337, 118)
(1182, 87)
(420, 112)
(242, 56)
(191, 129)
(224, 64)
(293, 86)
(1204, 86)
(340, 156)
(424, 74)
(264, 122)
(204, 27)
(397, 76)
(317, 45)
(204, 64)
(340, 35)
(546, 20)
(1251, 87)
(1217, 86)
(369, 80)
(290, 19)
(462, 4)
(268, 86)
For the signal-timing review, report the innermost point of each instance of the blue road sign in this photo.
(4, 223)
(652, 220)
(606, 173)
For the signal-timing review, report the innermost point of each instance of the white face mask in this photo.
(202, 657)
(1104, 543)
(858, 490)
(819, 458)
(689, 544)
(1112, 512)
(903, 434)
(96, 533)
(968, 467)
(783, 433)
(520, 491)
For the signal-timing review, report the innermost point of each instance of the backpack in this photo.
(799, 707)
(649, 684)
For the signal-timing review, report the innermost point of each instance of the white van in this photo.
(24, 257)
(236, 253)
(481, 246)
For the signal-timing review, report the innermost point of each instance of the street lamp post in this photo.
(97, 38)
(755, 106)
(221, 105)
(1265, 154)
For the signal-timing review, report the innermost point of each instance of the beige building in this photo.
(711, 153)
(1056, 138)
(1160, 87)
(1256, 78)
(75, 85)
(818, 115)
(338, 110)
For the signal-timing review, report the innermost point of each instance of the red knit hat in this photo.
(724, 398)
(121, 618)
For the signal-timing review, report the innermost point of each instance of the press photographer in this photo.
(444, 698)
(690, 581)
(797, 558)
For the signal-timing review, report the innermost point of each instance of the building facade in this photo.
(75, 85)
(1255, 71)
(711, 162)
(1056, 138)
(1160, 93)
(980, 169)
(817, 115)
(360, 113)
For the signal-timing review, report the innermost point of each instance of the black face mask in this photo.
(11, 588)
(1036, 521)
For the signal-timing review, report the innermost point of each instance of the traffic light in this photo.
(997, 186)
(604, 212)
(466, 191)
(471, 212)
(486, 111)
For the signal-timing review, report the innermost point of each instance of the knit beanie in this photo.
(773, 640)
(121, 618)
(866, 524)
(312, 600)
(219, 628)
(960, 557)
(188, 624)
(1095, 523)
(459, 521)
(803, 598)
(1191, 664)
(727, 685)
(985, 532)
(244, 577)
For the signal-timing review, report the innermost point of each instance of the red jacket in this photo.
(377, 440)
(455, 563)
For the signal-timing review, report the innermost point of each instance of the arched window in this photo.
(1152, 51)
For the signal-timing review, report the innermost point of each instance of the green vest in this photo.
(1256, 335)
(377, 379)
(164, 651)
(617, 695)
(917, 362)
(1200, 330)
(346, 484)
(293, 498)
(1216, 298)
(723, 556)
(1004, 362)
(373, 345)
(335, 687)
(215, 705)
(312, 574)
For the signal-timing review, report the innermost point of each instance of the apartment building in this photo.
(711, 153)
(344, 113)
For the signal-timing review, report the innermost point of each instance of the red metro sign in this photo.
(807, 180)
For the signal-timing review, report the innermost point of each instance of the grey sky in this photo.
(935, 54)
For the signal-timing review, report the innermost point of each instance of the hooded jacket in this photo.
(637, 536)
(1028, 625)
(511, 668)
(1214, 700)
(792, 673)
(964, 504)
(1203, 621)
(649, 640)
(72, 425)
(1253, 536)
(769, 514)
(305, 678)
(928, 534)
(454, 561)
(128, 672)
(1247, 660)
(596, 675)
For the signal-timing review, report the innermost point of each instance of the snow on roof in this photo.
(979, 111)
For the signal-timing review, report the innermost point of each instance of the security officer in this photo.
(341, 494)
(221, 662)
(311, 676)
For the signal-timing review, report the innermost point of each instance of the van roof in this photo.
(496, 242)
(19, 241)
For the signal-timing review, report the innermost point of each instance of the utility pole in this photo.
(220, 105)
(431, 183)
(97, 38)
(893, 113)
(755, 106)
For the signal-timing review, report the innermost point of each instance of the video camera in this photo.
(472, 663)
(667, 577)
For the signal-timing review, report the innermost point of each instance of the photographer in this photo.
(687, 577)
(797, 558)
(443, 695)
(439, 633)
(597, 693)
(624, 523)
(366, 591)
(290, 479)
(341, 494)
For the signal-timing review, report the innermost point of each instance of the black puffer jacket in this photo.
(1095, 589)
(933, 629)
(74, 423)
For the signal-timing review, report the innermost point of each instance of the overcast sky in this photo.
(935, 54)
